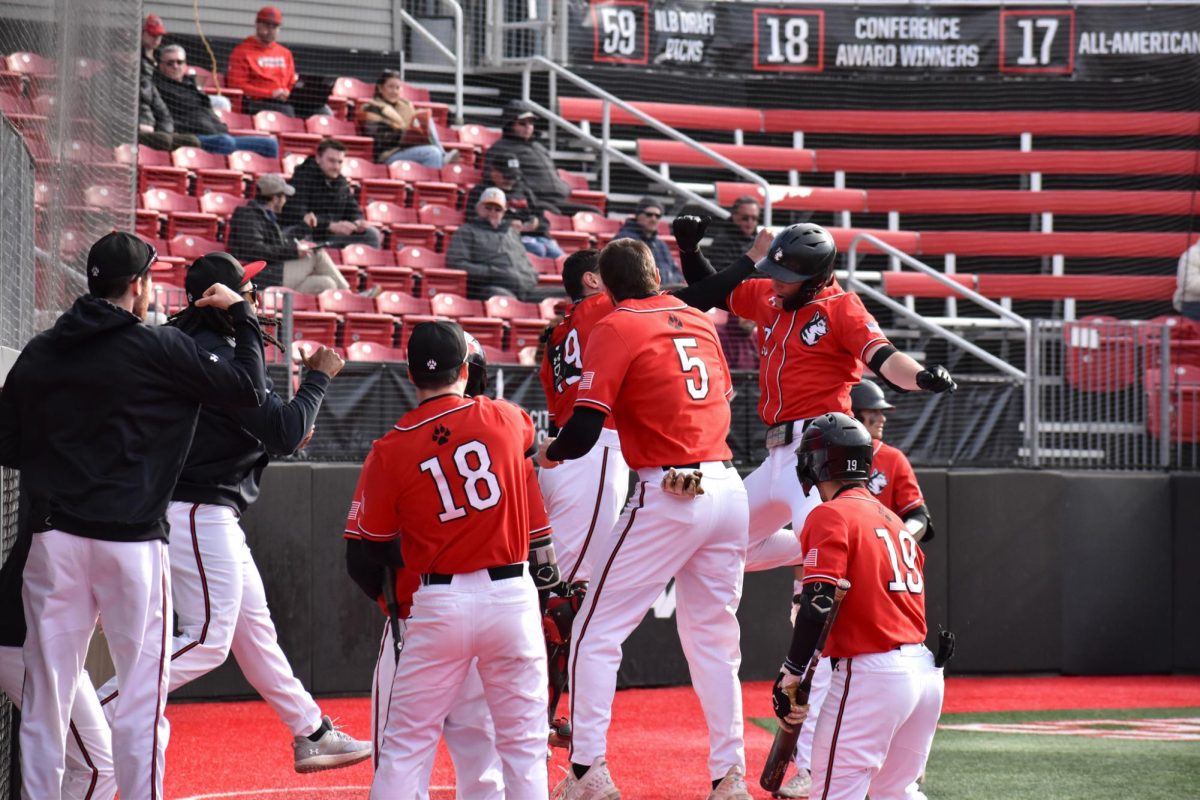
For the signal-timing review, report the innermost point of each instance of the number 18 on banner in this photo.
(789, 41)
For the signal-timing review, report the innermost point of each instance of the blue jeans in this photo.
(427, 155)
(224, 144)
(541, 246)
(1191, 310)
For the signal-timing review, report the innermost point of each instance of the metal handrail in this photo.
(659, 126)
(456, 57)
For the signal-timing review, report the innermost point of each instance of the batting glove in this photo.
(784, 695)
(936, 379)
(688, 230)
(682, 484)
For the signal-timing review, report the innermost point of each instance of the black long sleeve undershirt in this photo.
(706, 287)
(804, 640)
(578, 436)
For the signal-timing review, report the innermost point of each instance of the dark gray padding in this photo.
(1185, 550)
(933, 484)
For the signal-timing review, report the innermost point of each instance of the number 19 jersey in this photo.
(451, 479)
(655, 365)
(853, 536)
(562, 366)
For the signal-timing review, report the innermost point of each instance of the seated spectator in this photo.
(737, 235)
(1187, 293)
(254, 235)
(192, 109)
(401, 131)
(324, 208)
(489, 250)
(739, 341)
(156, 126)
(153, 32)
(643, 226)
(524, 212)
(537, 165)
(262, 68)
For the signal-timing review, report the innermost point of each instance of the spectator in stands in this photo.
(262, 68)
(736, 237)
(643, 226)
(524, 211)
(255, 235)
(489, 250)
(1187, 295)
(153, 32)
(156, 126)
(739, 341)
(324, 208)
(193, 112)
(537, 165)
(401, 131)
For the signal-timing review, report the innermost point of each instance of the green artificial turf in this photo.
(969, 765)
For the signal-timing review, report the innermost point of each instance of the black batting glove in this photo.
(688, 230)
(936, 379)
(784, 698)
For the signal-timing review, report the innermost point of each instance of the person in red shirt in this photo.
(453, 477)
(262, 68)
(875, 739)
(654, 365)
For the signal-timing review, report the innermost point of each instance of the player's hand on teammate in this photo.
(682, 484)
(688, 230)
(307, 438)
(761, 246)
(936, 379)
(543, 460)
(783, 696)
(323, 359)
(220, 296)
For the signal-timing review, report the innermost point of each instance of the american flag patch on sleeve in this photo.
(585, 382)
(873, 326)
(810, 559)
(354, 509)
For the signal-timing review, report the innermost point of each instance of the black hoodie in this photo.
(98, 414)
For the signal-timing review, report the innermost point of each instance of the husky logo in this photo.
(877, 482)
(817, 327)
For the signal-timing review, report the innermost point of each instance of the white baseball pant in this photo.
(497, 623)
(468, 731)
(70, 581)
(222, 606)
(776, 498)
(878, 721)
(701, 542)
(816, 698)
(583, 498)
(89, 765)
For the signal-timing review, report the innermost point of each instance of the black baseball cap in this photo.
(119, 254)
(218, 268)
(508, 166)
(435, 347)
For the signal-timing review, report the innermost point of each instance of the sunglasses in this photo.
(746, 217)
(149, 261)
(250, 294)
(175, 62)
(651, 214)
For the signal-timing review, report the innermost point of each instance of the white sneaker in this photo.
(731, 787)
(334, 749)
(799, 786)
(596, 784)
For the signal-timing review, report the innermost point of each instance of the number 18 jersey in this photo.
(655, 365)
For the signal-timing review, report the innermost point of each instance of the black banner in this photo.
(900, 41)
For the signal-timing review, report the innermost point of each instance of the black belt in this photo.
(785, 432)
(495, 573)
(694, 465)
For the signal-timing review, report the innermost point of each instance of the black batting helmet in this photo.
(801, 253)
(834, 447)
(477, 375)
(867, 395)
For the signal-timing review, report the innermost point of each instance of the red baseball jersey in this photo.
(853, 536)
(562, 366)
(893, 480)
(655, 366)
(810, 357)
(452, 479)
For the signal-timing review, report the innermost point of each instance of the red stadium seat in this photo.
(479, 135)
(983, 123)
(450, 281)
(252, 164)
(401, 304)
(677, 115)
(237, 123)
(361, 255)
(289, 163)
(402, 225)
(1100, 354)
(1183, 403)
(375, 181)
(524, 320)
(221, 204)
(462, 175)
(344, 131)
(360, 320)
(587, 222)
(471, 315)
(391, 279)
(183, 213)
(443, 217)
(580, 191)
(372, 351)
(554, 307)
(352, 89)
(426, 182)
(272, 300)
(192, 247)
(293, 136)
(211, 170)
(420, 258)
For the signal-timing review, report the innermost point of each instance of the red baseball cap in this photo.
(270, 14)
(154, 25)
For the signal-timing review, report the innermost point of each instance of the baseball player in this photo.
(215, 584)
(89, 765)
(454, 475)
(815, 338)
(468, 730)
(875, 739)
(655, 366)
(98, 413)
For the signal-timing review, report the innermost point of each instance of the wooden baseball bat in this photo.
(783, 749)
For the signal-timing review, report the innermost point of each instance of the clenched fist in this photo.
(784, 697)
(688, 230)
(682, 484)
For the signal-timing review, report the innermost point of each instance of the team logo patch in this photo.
(674, 322)
(814, 329)
(213, 358)
(441, 434)
(877, 482)
(432, 364)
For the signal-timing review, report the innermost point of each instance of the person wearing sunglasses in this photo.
(737, 236)
(643, 227)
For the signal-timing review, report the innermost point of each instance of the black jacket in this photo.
(523, 205)
(151, 108)
(330, 200)
(537, 168)
(232, 447)
(255, 236)
(98, 414)
(190, 108)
